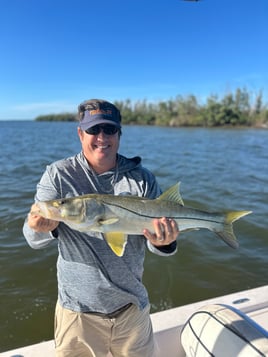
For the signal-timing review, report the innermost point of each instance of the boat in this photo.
(233, 325)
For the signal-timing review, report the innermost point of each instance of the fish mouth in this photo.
(48, 212)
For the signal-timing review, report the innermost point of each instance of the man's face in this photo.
(100, 150)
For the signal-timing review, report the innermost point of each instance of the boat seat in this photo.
(223, 331)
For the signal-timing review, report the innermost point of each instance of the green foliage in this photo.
(57, 117)
(234, 109)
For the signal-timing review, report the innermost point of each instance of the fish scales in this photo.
(118, 216)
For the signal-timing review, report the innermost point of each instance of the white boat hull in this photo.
(168, 324)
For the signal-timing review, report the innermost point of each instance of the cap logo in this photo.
(101, 111)
(97, 112)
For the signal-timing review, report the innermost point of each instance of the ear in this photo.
(80, 133)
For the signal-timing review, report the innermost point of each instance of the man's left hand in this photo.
(166, 232)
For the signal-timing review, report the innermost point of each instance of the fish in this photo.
(116, 217)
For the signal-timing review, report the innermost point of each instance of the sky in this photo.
(56, 53)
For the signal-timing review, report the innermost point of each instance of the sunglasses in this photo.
(107, 129)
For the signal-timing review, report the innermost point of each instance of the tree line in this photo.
(234, 109)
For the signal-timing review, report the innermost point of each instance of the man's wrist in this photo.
(169, 248)
(54, 233)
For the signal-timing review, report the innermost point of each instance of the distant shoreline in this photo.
(261, 126)
(236, 109)
(258, 125)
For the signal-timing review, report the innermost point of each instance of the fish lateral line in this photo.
(170, 195)
(111, 215)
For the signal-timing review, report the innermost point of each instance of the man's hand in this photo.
(166, 232)
(40, 224)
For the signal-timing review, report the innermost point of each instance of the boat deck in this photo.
(168, 324)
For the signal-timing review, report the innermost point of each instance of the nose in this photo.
(101, 135)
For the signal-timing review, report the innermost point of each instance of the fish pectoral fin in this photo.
(108, 221)
(172, 194)
(117, 242)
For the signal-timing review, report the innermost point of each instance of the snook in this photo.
(118, 216)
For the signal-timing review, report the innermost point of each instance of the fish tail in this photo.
(227, 234)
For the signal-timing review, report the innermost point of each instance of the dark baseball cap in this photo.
(97, 111)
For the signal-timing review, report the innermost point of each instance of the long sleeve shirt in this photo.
(91, 278)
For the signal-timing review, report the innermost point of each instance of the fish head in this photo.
(65, 209)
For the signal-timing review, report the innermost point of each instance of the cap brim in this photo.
(86, 125)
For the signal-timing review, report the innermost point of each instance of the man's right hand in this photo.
(40, 224)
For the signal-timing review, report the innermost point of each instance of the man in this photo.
(102, 304)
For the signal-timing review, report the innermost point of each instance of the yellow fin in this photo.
(172, 194)
(235, 215)
(117, 242)
(227, 233)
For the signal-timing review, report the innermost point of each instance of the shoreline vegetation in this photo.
(234, 109)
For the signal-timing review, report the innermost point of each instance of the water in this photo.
(219, 169)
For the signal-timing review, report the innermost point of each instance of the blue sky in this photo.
(57, 53)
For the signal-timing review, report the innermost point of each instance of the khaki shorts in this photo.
(129, 334)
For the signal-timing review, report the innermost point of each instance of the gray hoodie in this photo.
(90, 276)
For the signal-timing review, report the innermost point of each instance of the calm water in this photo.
(218, 170)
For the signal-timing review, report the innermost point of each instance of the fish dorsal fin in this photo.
(172, 194)
(117, 242)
